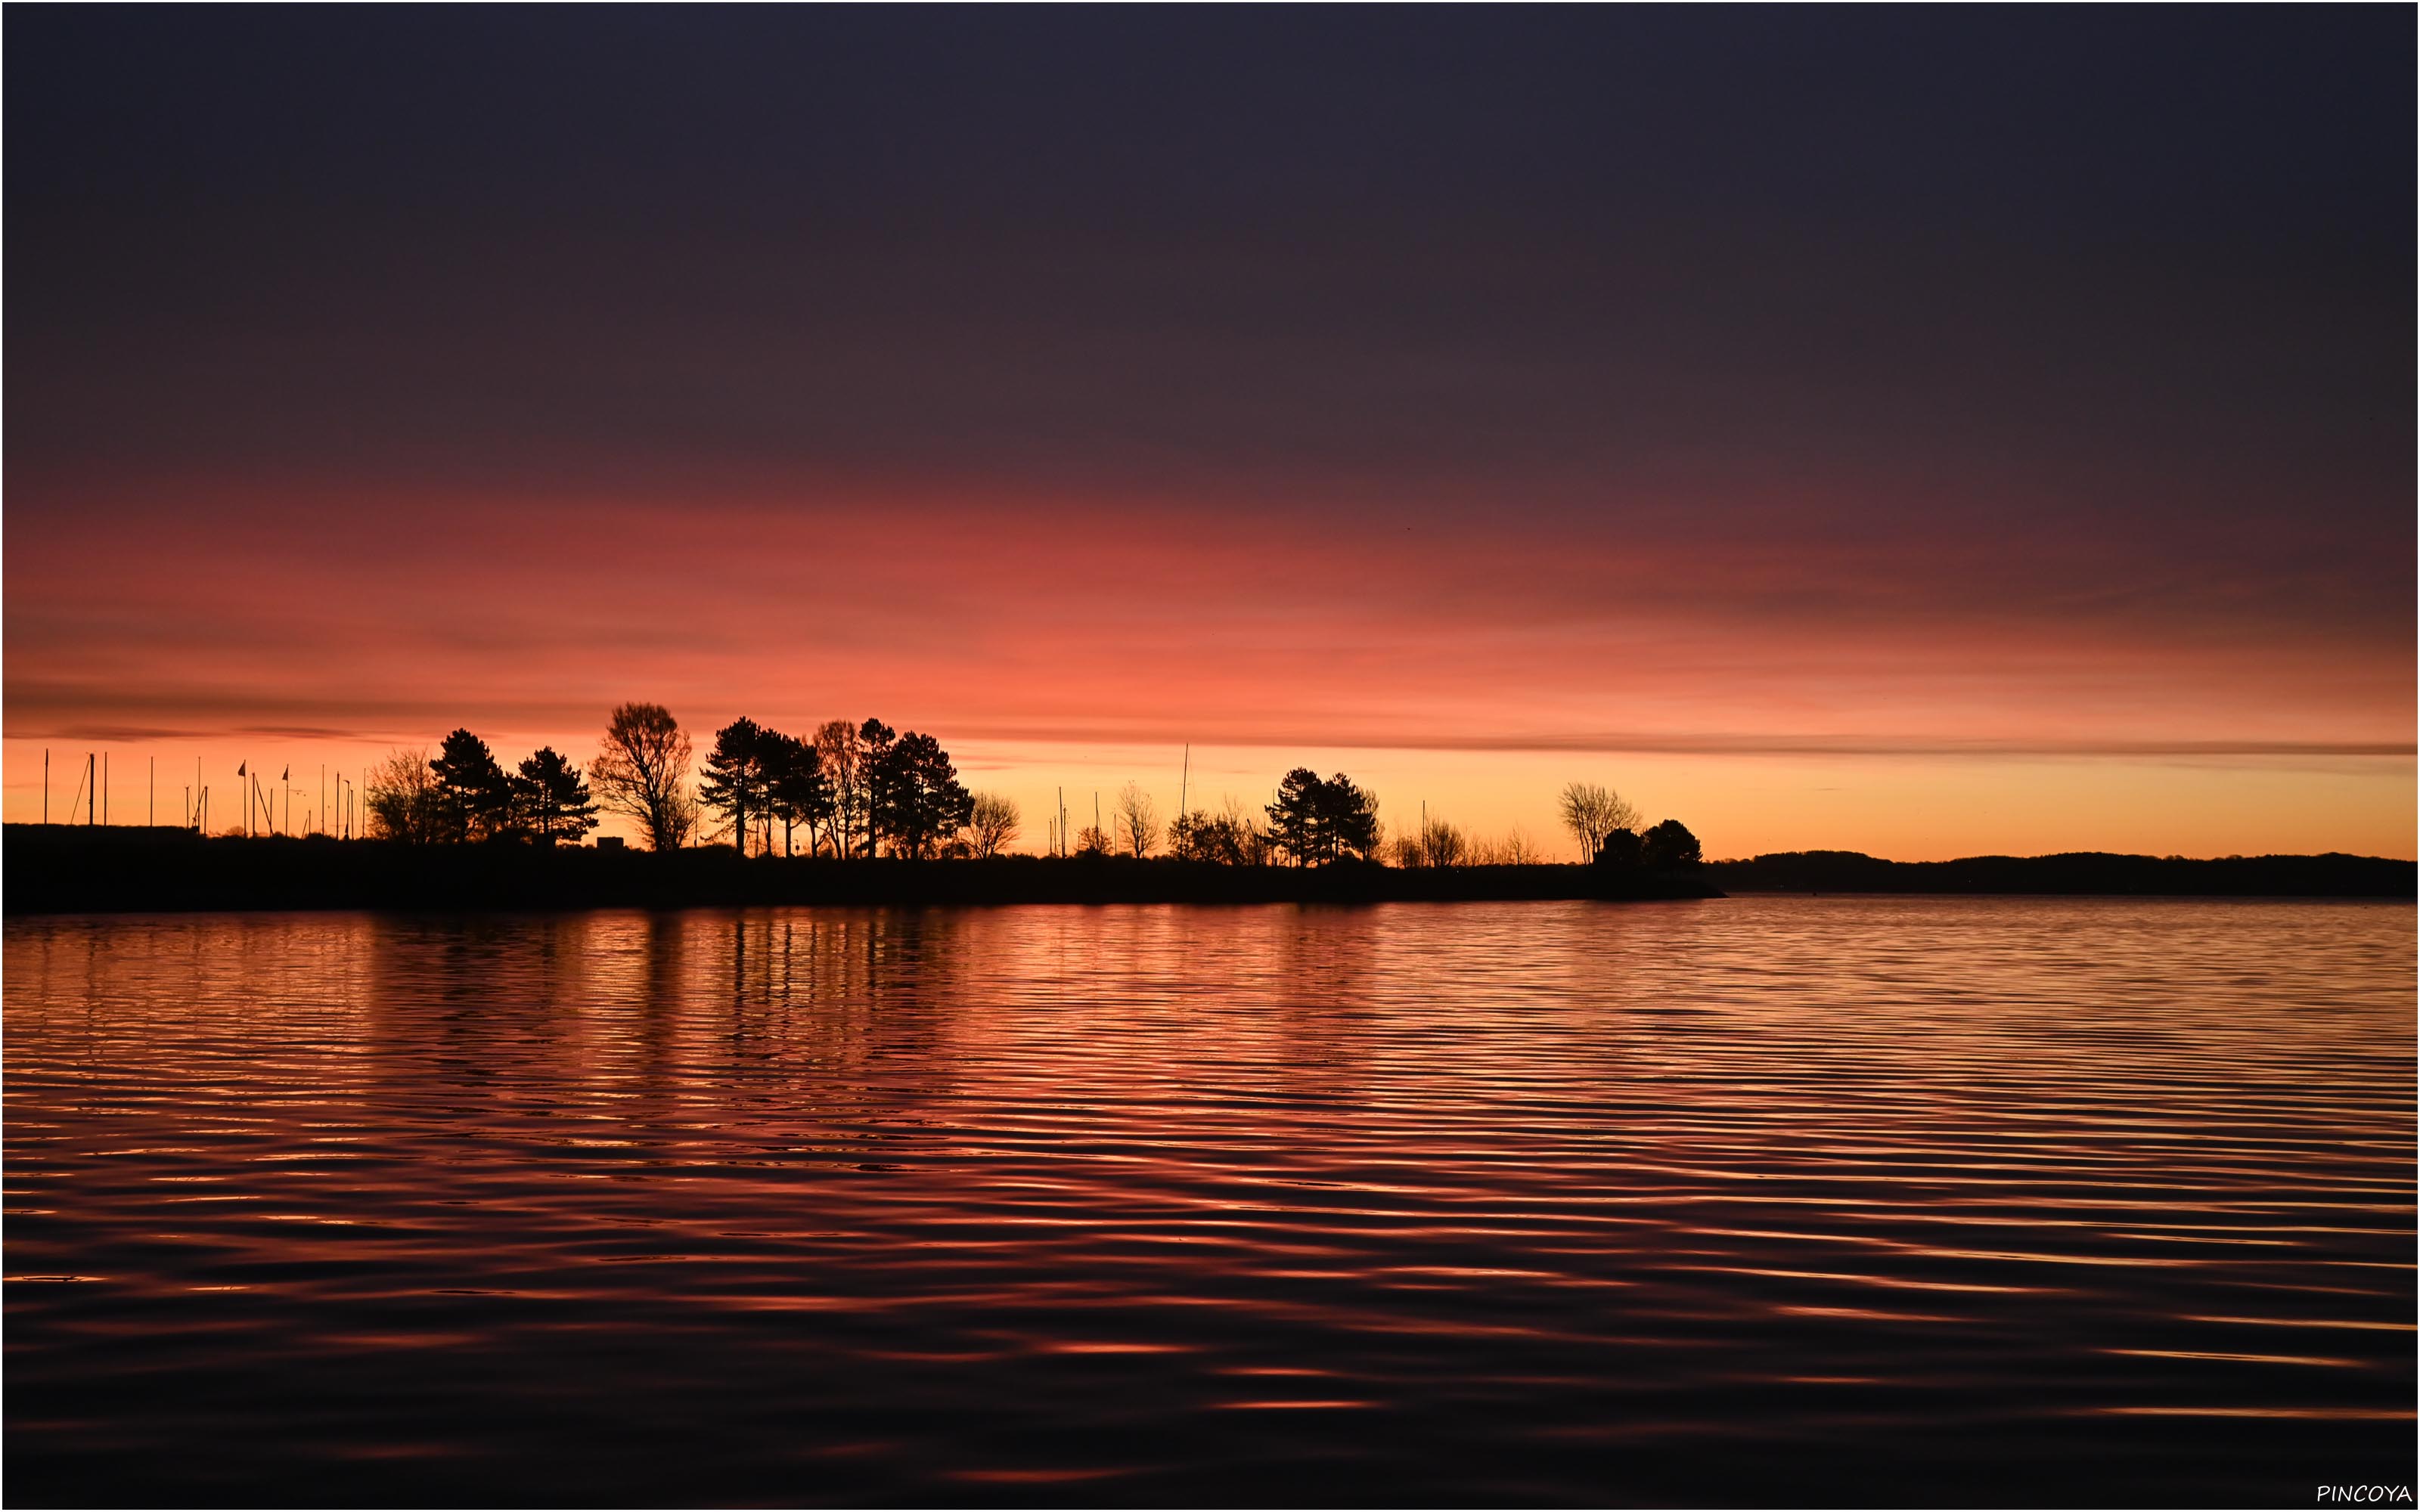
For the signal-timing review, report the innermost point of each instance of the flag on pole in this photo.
(240, 771)
(283, 775)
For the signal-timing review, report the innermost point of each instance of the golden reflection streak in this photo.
(2244, 1359)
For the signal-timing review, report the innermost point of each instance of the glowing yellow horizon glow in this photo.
(1911, 809)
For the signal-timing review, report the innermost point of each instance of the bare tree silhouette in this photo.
(1136, 819)
(1591, 811)
(992, 823)
(1226, 838)
(839, 752)
(399, 795)
(642, 774)
(1443, 844)
(1515, 849)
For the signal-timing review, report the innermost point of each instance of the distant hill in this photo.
(2332, 876)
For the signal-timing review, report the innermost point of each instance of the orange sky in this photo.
(1910, 696)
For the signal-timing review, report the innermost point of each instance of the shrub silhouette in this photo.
(1671, 847)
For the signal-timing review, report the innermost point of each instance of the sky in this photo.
(1929, 432)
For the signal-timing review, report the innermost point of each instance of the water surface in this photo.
(1857, 1200)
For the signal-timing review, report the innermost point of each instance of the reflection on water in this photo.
(1855, 1201)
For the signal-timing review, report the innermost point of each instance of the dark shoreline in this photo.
(71, 869)
(64, 869)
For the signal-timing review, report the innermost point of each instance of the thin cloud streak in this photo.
(1720, 744)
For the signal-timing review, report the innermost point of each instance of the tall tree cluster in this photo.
(919, 804)
(855, 791)
(849, 790)
(1319, 820)
(464, 793)
(759, 779)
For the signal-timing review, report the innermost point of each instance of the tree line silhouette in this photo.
(863, 790)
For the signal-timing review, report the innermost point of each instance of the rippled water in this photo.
(1797, 1199)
